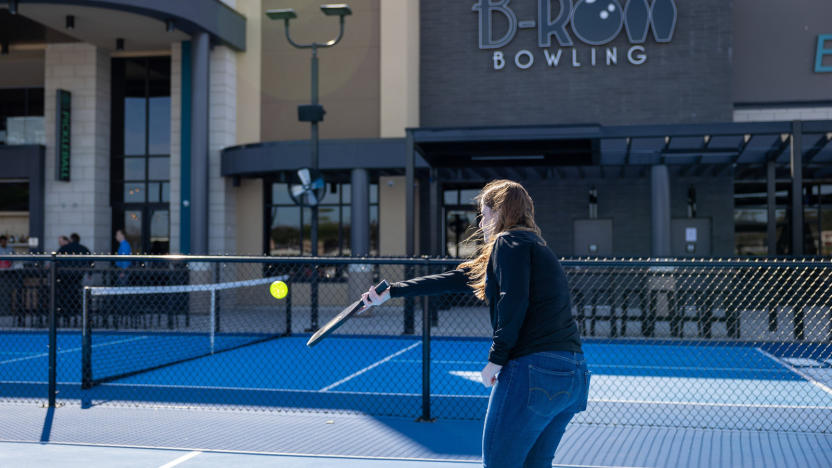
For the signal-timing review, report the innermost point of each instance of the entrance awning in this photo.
(585, 150)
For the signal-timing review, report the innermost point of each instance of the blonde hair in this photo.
(513, 211)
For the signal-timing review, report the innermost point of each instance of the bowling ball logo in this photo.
(597, 21)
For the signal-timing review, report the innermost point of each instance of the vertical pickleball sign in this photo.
(62, 135)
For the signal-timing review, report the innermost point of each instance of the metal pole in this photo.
(314, 234)
(53, 332)
(86, 342)
(797, 187)
(409, 315)
(771, 204)
(426, 359)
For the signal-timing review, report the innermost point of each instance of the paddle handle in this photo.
(381, 287)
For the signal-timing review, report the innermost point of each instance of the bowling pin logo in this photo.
(663, 19)
(637, 20)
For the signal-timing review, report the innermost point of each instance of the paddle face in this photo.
(342, 317)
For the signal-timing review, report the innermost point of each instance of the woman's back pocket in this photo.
(550, 391)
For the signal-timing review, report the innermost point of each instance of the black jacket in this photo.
(528, 297)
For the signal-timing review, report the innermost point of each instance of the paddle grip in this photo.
(381, 287)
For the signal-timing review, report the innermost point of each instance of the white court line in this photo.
(721, 405)
(371, 366)
(614, 366)
(796, 371)
(72, 350)
(484, 397)
(181, 459)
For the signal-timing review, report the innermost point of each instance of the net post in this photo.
(215, 326)
(213, 317)
(425, 359)
(86, 340)
(288, 309)
(53, 332)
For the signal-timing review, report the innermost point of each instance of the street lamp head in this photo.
(281, 14)
(336, 9)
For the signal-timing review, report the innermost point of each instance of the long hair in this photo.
(513, 211)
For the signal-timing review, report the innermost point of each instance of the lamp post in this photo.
(313, 114)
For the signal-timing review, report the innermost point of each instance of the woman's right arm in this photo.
(431, 285)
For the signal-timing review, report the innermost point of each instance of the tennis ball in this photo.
(279, 289)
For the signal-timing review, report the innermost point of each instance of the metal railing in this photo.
(734, 344)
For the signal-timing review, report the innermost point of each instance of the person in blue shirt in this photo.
(536, 368)
(123, 249)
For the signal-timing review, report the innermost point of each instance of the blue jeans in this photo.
(533, 400)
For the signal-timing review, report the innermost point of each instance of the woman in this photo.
(535, 366)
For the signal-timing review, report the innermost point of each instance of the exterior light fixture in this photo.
(119, 43)
(169, 25)
(282, 14)
(70, 22)
(13, 7)
(336, 9)
(4, 47)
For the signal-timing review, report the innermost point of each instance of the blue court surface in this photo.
(672, 386)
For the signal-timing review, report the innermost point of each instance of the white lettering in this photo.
(636, 59)
(612, 56)
(575, 62)
(552, 59)
(499, 61)
(528, 64)
(593, 56)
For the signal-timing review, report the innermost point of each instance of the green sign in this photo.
(62, 135)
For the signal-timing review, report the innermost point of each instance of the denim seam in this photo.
(500, 410)
(571, 361)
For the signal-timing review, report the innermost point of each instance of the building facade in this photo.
(640, 127)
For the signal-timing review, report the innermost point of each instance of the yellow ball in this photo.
(279, 289)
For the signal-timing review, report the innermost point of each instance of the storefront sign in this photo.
(62, 135)
(592, 22)
(823, 51)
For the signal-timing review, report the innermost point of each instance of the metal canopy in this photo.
(718, 145)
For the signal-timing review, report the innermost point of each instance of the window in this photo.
(140, 177)
(751, 219)
(14, 196)
(460, 217)
(290, 226)
(21, 116)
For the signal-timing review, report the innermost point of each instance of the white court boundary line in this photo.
(483, 397)
(72, 350)
(476, 461)
(796, 371)
(612, 366)
(181, 459)
(371, 366)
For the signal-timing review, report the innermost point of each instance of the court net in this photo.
(133, 329)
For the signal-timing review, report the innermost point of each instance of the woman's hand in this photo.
(489, 374)
(372, 298)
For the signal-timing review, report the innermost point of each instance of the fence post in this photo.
(86, 339)
(215, 305)
(426, 358)
(53, 333)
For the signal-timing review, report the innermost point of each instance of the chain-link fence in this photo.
(728, 344)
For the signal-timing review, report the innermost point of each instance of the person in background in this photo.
(62, 242)
(5, 250)
(70, 277)
(122, 266)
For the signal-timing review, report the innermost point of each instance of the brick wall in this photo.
(686, 80)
